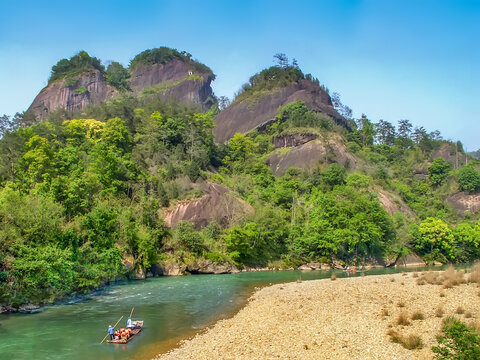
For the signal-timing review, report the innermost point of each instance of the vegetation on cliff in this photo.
(77, 64)
(163, 55)
(275, 77)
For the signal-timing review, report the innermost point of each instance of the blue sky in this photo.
(403, 59)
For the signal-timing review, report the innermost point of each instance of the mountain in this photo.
(165, 73)
(264, 96)
(145, 182)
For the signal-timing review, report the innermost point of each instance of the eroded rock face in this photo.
(72, 95)
(205, 266)
(448, 153)
(250, 114)
(183, 82)
(293, 140)
(309, 155)
(217, 204)
(392, 204)
(462, 202)
(169, 269)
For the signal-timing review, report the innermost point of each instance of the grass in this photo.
(401, 304)
(474, 276)
(409, 342)
(460, 310)
(418, 315)
(81, 90)
(440, 312)
(385, 313)
(402, 319)
(448, 279)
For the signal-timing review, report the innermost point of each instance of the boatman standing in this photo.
(129, 324)
(111, 330)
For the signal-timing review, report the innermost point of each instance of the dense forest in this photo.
(83, 195)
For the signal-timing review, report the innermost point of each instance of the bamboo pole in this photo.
(113, 327)
(131, 313)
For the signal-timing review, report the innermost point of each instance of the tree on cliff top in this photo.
(77, 64)
(163, 55)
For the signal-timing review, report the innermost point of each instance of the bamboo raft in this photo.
(138, 327)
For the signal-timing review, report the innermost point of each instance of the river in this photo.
(173, 308)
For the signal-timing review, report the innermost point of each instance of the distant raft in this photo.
(123, 336)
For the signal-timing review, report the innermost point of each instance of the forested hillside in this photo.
(84, 195)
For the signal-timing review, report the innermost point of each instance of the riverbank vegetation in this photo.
(83, 196)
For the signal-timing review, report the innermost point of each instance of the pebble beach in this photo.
(343, 318)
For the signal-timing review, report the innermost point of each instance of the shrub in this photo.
(188, 237)
(116, 75)
(459, 310)
(457, 342)
(439, 171)
(402, 319)
(439, 312)
(79, 63)
(418, 315)
(469, 179)
(409, 342)
(81, 90)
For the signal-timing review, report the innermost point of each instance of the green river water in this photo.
(173, 308)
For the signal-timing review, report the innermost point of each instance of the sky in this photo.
(389, 59)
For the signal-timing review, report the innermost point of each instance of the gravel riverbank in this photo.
(348, 318)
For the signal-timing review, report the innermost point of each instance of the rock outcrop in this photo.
(448, 153)
(307, 151)
(393, 204)
(217, 204)
(463, 202)
(249, 114)
(178, 81)
(72, 94)
(174, 80)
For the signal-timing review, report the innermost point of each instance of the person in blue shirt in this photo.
(110, 330)
(130, 325)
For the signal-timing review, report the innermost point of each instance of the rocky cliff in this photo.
(217, 204)
(307, 151)
(72, 94)
(174, 80)
(256, 112)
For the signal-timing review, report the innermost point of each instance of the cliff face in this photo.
(307, 151)
(246, 115)
(217, 204)
(72, 94)
(177, 81)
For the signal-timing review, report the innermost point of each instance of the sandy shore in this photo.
(343, 319)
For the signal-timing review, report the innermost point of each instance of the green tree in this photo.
(240, 147)
(347, 222)
(467, 242)
(334, 175)
(188, 237)
(436, 240)
(116, 75)
(469, 179)
(439, 171)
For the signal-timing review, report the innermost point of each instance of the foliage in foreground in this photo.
(457, 342)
